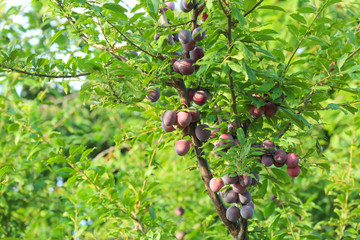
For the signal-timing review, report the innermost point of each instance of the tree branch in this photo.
(251, 10)
(43, 75)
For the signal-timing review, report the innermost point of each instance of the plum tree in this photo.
(246, 211)
(183, 118)
(292, 160)
(233, 213)
(216, 184)
(182, 147)
(202, 132)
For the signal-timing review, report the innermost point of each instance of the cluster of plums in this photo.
(234, 190)
(269, 109)
(278, 158)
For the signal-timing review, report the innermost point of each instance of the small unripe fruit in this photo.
(245, 180)
(202, 133)
(230, 180)
(247, 211)
(197, 53)
(195, 114)
(216, 184)
(185, 66)
(197, 36)
(270, 109)
(267, 161)
(182, 147)
(200, 97)
(184, 36)
(233, 214)
(293, 172)
(168, 128)
(238, 188)
(154, 94)
(280, 156)
(168, 118)
(245, 197)
(256, 113)
(183, 118)
(292, 160)
(231, 196)
(180, 211)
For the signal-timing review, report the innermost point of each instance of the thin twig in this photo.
(43, 75)
(251, 10)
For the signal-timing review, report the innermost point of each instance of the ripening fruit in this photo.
(153, 94)
(175, 37)
(184, 36)
(293, 172)
(231, 196)
(238, 188)
(197, 53)
(168, 118)
(190, 92)
(280, 156)
(292, 160)
(189, 46)
(185, 66)
(247, 211)
(268, 144)
(256, 113)
(183, 118)
(245, 180)
(197, 36)
(279, 165)
(188, 5)
(202, 133)
(267, 161)
(176, 66)
(200, 97)
(270, 109)
(255, 178)
(245, 197)
(182, 147)
(168, 128)
(195, 114)
(251, 203)
(170, 5)
(233, 214)
(204, 16)
(230, 180)
(216, 184)
(180, 211)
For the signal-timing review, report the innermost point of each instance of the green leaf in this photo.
(270, 209)
(3, 170)
(114, 7)
(235, 66)
(298, 18)
(272, 7)
(52, 40)
(306, 10)
(341, 60)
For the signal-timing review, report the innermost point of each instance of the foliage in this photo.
(83, 153)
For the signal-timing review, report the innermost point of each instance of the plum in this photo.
(189, 46)
(233, 214)
(293, 172)
(270, 109)
(280, 156)
(175, 37)
(200, 97)
(182, 147)
(168, 128)
(256, 113)
(268, 144)
(168, 118)
(176, 66)
(180, 211)
(180, 236)
(245, 197)
(190, 92)
(195, 114)
(202, 132)
(231, 196)
(188, 5)
(292, 160)
(216, 184)
(279, 165)
(157, 36)
(251, 203)
(267, 161)
(184, 36)
(197, 36)
(183, 118)
(170, 5)
(230, 180)
(231, 126)
(255, 178)
(197, 53)
(247, 211)
(213, 132)
(238, 188)
(153, 94)
(245, 180)
(185, 66)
